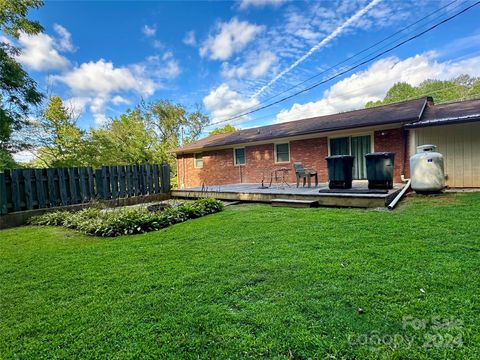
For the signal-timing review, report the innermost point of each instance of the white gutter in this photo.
(399, 196)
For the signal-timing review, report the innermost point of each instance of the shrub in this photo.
(124, 221)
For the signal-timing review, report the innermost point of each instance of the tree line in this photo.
(144, 134)
(462, 87)
(147, 133)
(30, 120)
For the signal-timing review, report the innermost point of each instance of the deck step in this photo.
(293, 203)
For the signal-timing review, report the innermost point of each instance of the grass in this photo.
(251, 282)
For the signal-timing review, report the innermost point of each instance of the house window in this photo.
(239, 156)
(282, 153)
(198, 160)
(357, 146)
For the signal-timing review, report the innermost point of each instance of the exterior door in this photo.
(360, 146)
(357, 146)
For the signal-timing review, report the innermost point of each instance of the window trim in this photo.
(275, 152)
(195, 160)
(235, 156)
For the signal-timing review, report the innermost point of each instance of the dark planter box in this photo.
(340, 171)
(380, 167)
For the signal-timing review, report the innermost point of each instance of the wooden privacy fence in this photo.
(27, 189)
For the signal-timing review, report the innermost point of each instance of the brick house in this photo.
(250, 155)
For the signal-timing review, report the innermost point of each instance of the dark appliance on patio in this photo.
(380, 170)
(340, 171)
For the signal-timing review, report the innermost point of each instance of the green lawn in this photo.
(251, 282)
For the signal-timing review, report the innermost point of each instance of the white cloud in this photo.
(339, 30)
(373, 83)
(96, 84)
(461, 44)
(25, 156)
(190, 38)
(117, 100)
(244, 4)
(157, 44)
(223, 103)
(5, 40)
(161, 67)
(149, 31)
(229, 38)
(41, 52)
(254, 66)
(102, 77)
(76, 105)
(64, 43)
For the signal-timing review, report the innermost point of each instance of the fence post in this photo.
(114, 181)
(165, 178)
(149, 180)
(103, 185)
(141, 179)
(52, 189)
(91, 183)
(62, 183)
(3, 194)
(121, 181)
(128, 180)
(27, 180)
(71, 185)
(136, 183)
(16, 190)
(98, 183)
(156, 184)
(39, 185)
(82, 180)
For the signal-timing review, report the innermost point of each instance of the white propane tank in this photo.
(427, 169)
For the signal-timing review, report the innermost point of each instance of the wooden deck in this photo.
(359, 196)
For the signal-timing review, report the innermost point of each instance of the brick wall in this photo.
(395, 140)
(218, 165)
(217, 169)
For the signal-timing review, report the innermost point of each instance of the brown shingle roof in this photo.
(457, 112)
(407, 111)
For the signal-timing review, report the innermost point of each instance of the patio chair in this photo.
(305, 174)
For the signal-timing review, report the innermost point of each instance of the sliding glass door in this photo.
(357, 146)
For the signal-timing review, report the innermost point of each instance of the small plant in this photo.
(123, 221)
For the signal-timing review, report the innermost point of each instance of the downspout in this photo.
(400, 195)
(406, 138)
(402, 192)
(183, 171)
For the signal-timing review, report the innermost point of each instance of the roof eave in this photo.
(339, 128)
(444, 121)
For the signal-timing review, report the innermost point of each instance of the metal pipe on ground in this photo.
(399, 196)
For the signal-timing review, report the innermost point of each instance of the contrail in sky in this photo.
(321, 44)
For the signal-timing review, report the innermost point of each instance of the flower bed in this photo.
(124, 221)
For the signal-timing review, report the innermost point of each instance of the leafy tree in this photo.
(474, 91)
(223, 130)
(18, 92)
(6, 160)
(442, 91)
(459, 88)
(61, 141)
(128, 139)
(173, 123)
(398, 92)
(146, 134)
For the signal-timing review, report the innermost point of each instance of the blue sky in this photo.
(103, 57)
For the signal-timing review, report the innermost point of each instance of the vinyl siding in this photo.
(460, 146)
